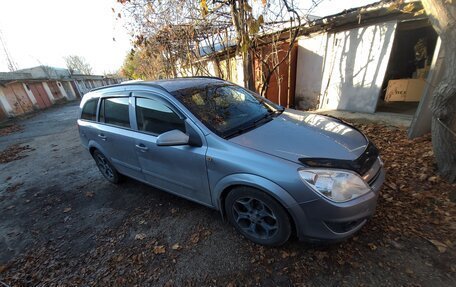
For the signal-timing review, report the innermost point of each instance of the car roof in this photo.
(173, 85)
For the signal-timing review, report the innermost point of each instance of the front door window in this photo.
(154, 117)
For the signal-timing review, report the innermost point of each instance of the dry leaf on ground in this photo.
(159, 249)
(140, 236)
(441, 247)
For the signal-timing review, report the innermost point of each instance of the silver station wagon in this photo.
(271, 172)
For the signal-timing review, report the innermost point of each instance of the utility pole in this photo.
(12, 66)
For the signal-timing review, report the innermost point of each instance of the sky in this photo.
(43, 32)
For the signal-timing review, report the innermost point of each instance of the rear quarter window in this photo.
(89, 111)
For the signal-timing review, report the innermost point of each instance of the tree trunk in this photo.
(248, 71)
(243, 40)
(442, 14)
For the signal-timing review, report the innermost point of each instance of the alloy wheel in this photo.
(104, 166)
(255, 217)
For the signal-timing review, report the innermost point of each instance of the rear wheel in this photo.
(258, 216)
(106, 168)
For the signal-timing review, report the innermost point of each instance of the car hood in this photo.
(295, 134)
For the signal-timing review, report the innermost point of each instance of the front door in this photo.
(177, 169)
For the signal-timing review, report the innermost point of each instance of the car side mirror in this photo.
(172, 138)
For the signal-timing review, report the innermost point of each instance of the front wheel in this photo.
(258, 216)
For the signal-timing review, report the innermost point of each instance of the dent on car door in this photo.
(116, 136)
(179, 169)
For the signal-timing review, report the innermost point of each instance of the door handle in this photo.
(102, 136)
(142, 147)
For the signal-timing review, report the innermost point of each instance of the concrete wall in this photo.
(238, 74)
(344, 70)
(5, 105)
(355, 66)
(30, 95)
(236, 70)
(309, 71)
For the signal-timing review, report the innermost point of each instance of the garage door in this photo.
(40, 95)
(55, 90)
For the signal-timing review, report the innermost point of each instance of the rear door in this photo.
(115, 135)
(178, 169)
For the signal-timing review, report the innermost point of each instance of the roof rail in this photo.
(142, 83)
(206, 77)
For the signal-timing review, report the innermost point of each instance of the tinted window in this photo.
(154, 117)
(114, 111)
(89, 111)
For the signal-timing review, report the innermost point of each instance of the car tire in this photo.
(106, 168)
(258, 216)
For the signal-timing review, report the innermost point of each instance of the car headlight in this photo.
(336, 185)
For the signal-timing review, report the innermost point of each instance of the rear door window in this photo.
(114, 111)
(89, 111)
(155, 117)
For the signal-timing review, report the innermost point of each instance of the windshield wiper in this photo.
(263, 119)
(267, 116)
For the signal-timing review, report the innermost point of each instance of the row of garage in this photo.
(22, 96)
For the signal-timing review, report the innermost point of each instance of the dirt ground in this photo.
(63, 224)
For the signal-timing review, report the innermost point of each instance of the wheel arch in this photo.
(228, 183)
(93, 145)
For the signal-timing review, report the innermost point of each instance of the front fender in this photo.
(254, 181)
(261, 183)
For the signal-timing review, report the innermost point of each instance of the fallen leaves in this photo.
(285, 254)
(372, 246)
(413, 205)
(14, 187)
(14, 152)
(140, 236)
(414, 196)
(396, 244)
(176, 246)
(194, 238)
(14, 128)
(200, 234)
(89, 194)
(441, 247)
(159, 249)
(321, 255)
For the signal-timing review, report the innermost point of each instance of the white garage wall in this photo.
(343, 70)
(309, 70)
(354, 68)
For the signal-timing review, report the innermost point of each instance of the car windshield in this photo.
(228, 110)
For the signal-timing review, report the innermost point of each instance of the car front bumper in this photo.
(324, 220)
